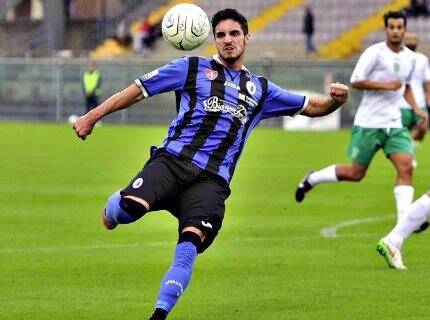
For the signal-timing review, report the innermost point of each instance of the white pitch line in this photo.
(107, 246)
(331, 231)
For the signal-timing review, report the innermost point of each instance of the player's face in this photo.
(230, 40)
(411, 41)
(395, 31)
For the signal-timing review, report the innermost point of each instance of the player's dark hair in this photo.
(394, 15)
(232, 14)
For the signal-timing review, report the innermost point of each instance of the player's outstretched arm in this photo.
(319, 106)
(422, 126)
(377, 85)
(121, 100)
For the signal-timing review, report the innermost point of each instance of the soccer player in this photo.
(383, 72)
(420, 84)
(219, 103)
(390, 246)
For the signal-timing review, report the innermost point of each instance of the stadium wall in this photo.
(51, 90)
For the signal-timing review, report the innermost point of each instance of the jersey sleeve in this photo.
(426, 70)
(364, 66)
(170, 77)
(280, 102)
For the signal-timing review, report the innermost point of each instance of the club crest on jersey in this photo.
(211, 74)
(250, 86)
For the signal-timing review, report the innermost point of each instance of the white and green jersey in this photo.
(421, 74)
(381, 108)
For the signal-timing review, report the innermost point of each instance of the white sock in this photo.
(324, 175)
(413, 218)
(404, 196)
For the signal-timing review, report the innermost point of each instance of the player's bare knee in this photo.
(134, 206)
(139, 200)
(121, 211)
(407, 168)
(189, 234)
(197, 231)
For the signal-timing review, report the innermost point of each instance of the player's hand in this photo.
(393, 85)
(422, 126)
(84, 126)
(338, 92)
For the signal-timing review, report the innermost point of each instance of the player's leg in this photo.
(123, 210)
(200, 210)
(353, 172)
(390, 246)
(403, 189)
(415, 215)
(418, 134)
(398, 149)
(177, 278)
(363, 146)
(149, 187)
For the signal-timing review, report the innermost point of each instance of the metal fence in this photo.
(51, 89)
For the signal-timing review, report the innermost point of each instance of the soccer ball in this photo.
(185, 26)
(72, 119)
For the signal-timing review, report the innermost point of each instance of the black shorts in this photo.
(194, 196)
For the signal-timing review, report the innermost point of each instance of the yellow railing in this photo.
(351, 41)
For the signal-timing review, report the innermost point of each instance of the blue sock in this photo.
(178, 276)
(114, 212)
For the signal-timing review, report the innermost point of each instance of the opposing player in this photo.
(384, 73)
(420, 84)
(219, 104)
(390, 246)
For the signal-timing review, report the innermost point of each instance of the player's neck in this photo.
(236, 65)
(394, 46)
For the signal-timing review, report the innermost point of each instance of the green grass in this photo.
(269, 261)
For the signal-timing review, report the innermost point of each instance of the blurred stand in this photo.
(50, 89)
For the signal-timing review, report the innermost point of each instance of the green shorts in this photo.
(410, 118)
(365, 142)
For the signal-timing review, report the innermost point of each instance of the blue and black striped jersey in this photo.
(217, 109)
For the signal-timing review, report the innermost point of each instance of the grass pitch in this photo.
(270, 260)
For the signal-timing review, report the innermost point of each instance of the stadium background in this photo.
(272, 259)
(57, 37)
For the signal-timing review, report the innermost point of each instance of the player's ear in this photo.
(247, 38)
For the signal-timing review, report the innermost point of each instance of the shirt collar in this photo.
(217, 59)
(401, 49)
